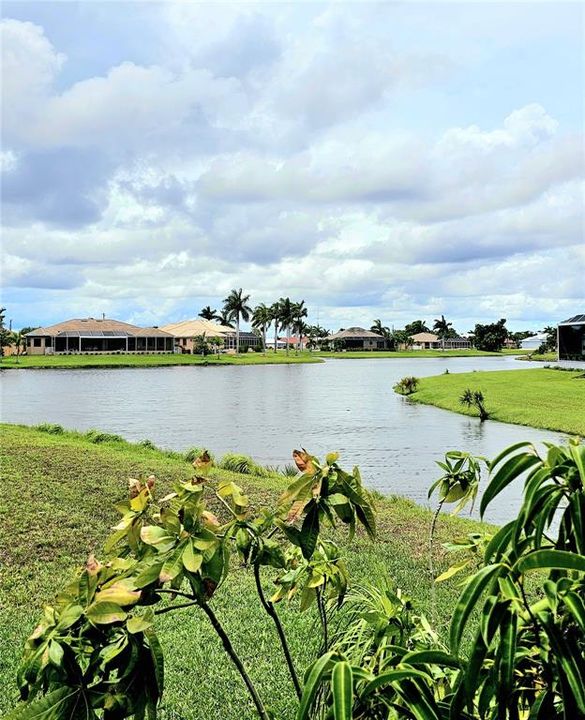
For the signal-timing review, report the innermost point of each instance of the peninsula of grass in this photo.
(71, 362)
(540, 397)
(415, 354)
(57, 506)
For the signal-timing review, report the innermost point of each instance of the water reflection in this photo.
(265, 411)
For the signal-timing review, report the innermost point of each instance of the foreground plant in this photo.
(96, 651)
(526, 650)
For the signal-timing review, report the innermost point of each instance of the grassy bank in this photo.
(113, 361)
(540, 397)
(416, 354)
(56, 506)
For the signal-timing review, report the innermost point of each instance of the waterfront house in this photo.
(430, 341)
(357, 338)
(571, 340)
(97, 335)
(186, 330)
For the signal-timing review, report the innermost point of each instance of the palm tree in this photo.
(224, 318)
(380, 329)
(299, 325)
(442, 328)
(286, 316)
(275, 317)
(236, 306)
(261, 320)
(19, 340)
(208, 314)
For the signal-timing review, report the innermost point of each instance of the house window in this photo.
(37, 342)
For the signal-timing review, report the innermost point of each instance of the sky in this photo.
(378, 160)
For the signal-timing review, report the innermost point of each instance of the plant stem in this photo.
(269, 607)
(178, 606)
(229, 648)
(323, 616)
(431, 563)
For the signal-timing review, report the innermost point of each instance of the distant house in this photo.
(185, 330)
(533, 342)
(571, 339)
(430, 341)
(357, 338)
(91, 335)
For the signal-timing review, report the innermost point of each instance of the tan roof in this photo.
(354, 332)
(190, 328)
(424, 337)
(97, 327)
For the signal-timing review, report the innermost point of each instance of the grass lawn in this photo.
(349, 355)
(540, 397)
(58, 493)
(92, 361)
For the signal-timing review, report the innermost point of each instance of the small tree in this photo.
(474, 399)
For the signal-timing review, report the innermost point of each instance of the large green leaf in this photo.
(467, 600)
(576, 607)
(310, 531)
(105, 613)
(312, 682)
(55, 705)
(557, 559)
(156, 653)
(393, 676)
(342, 690)
(507, 472)
(430, 657)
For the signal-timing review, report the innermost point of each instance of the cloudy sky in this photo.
(379, 160)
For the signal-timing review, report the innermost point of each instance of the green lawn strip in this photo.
(57, 507)
(540, 397)
(544, 357)
(70, 362)
(359, 354)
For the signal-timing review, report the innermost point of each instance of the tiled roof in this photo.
(355, 332)
(191, 328)
(96, 327)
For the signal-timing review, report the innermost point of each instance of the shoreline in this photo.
(541, 398)
(111, 361)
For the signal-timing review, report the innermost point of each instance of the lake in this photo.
(265, 411)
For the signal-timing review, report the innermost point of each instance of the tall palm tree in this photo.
(208, 314)
(299, 325)
(442, 328)
(380, 329)
(261, 319)
(19, 341)
(286, 316)
(275, 317)
(236, 306)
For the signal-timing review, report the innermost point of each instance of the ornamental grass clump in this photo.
(407, 385)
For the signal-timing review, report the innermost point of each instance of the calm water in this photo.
(266, 411)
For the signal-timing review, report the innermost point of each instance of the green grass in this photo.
(540, 397)
(58, 492)
(358, 354)
(112, 361)
(545, 357)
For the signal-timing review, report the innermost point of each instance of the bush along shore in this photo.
(545, 398)
(303, 597)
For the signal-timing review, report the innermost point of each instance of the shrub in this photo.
(243, 464)
(95, 652)
(194, 453)
(50, 428)
(148, 444)
(475, 399)
(98, 437)
(407, 385)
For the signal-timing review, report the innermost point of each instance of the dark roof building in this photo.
(91, 335)
(571, 339)
(357, 338)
